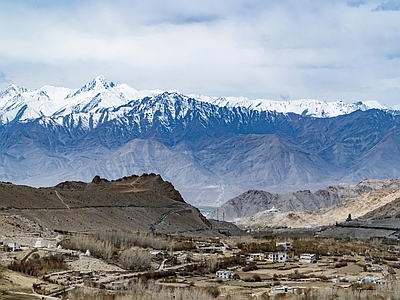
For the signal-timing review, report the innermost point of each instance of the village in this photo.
(236, 266)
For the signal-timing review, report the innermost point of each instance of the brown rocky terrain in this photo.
(389, 210)
(369, 199)
(143, 203)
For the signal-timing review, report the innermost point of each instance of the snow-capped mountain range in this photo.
(210, 148)
(20, 104)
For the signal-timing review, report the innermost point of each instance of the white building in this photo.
(308, 258)
(14, 246)
(277, 257)
(224, 274)
(285, 245)
(283, 289)
(371, 279)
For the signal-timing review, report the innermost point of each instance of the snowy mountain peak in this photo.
(99, 83)
(370, 104)
(12, 90)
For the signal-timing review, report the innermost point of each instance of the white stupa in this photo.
(40, 243)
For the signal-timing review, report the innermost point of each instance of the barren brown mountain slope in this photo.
(145, 203)
(389, 210)
(372, 199)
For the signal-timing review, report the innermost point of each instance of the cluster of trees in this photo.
(111, 250)
(121, 238)
(38, 266)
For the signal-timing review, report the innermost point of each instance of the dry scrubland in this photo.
(125, 265)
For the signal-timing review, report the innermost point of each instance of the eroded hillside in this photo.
(145, 203)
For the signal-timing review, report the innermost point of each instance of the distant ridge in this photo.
(367, 200)
(19, 103)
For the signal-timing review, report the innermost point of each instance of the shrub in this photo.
(213, 291)
(396, 266)
(249, 279)
(323, 278)
(236, 276)
(341, 264)
(180, 246)
(250, 268)
(157, 275)
(135, 259)
(390, 258)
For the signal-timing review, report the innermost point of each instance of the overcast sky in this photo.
(273, 49)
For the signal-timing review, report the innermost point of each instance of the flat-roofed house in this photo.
(277, 257)
(308, 258)
(224, 274)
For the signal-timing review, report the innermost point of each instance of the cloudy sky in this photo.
(273, 49)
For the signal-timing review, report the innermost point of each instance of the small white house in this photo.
(283, 289)
(14, 246)
(277, 257)
(308, 258)
(224, 274)
(285, 245)
(371, 279)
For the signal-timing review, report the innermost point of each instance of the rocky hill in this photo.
(145, 203)
(390, 210)
(369, 199)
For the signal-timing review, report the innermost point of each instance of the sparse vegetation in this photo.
(135, 259)
(98, 248)
(151, 291)
(118, 249)
(125, 238)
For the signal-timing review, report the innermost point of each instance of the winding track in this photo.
(61, 199)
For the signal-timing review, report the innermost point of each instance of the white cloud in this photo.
(271, 49)
(388, 5)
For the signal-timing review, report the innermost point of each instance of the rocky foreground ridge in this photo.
(144, 203)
